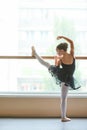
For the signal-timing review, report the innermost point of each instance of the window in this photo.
(25, 23)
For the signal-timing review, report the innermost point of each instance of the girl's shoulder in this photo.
(68, 59)
(71, 56)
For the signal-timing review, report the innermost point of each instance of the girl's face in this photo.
(60, 52)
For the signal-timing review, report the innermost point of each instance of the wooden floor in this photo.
(42, 124)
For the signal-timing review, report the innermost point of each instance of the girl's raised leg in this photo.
(43, 62)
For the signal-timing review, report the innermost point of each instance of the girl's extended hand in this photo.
(59, 37)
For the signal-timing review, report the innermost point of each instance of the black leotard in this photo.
(64, 73)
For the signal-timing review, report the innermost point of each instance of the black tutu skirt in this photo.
(61, 75)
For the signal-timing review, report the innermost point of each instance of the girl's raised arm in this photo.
(70, 42)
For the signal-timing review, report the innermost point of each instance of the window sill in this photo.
(42, 95)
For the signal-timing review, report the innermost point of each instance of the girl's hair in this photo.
(62, 46)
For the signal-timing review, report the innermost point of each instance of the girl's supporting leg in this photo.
(46, 64)
(64, 92)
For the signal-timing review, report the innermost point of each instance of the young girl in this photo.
(63, 71)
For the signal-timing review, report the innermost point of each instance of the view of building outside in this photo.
(37, 23)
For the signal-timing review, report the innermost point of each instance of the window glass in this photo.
(24, 23)
(31, 77)
(43, 22)
(27, 22)
(9, 27)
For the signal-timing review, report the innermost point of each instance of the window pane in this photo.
(30, 76)
(24, 23)
(8, 27)
(27, 22)
(42, 22)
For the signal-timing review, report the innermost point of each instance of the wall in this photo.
(41, 107)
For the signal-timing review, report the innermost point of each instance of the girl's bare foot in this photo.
(33, 51)
(65, 119)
